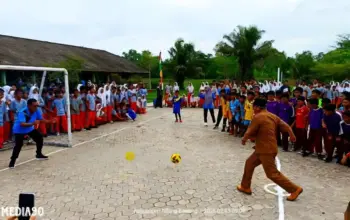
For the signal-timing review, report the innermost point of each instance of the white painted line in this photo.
(91, 140)
(280, 194)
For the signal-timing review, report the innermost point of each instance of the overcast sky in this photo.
(119, 25)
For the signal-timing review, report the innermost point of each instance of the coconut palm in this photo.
(182, 56)
(244, 44)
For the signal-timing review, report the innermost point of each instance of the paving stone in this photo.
(96, 182)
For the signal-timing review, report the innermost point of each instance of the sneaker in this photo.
(58, 134)
(12, 164)
(42, 157)
(176, 121)
(180, 121)
(206, 124)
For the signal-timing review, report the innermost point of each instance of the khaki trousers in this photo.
(269, 165)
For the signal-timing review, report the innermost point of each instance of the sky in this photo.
(120, 25)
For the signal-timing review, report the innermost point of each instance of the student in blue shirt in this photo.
(131, 113)
(17, 104)
(3, 111)
(27, 118)
(91, 107)
(61, 118)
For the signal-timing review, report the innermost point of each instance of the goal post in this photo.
(45, 70)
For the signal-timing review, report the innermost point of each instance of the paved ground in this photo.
(94, 181)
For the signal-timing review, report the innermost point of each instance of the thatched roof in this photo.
(26, 52)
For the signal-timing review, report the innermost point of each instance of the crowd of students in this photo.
(319, 114)
(88, 108)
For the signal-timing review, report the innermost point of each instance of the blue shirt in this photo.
(131, 114)
(41, 105)
(83, 102)
(333, 123)
(3, 112)
(91, 99)
(24, 116)
(59, 105)
(15, 106)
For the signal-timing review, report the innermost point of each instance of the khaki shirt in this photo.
(263, 130)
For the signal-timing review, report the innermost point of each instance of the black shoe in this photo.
(320, 156)
(216, 127)
(88, 129)
(42, 157)
(306, 153)
(12, 164)
(328, 160)
(223, 128)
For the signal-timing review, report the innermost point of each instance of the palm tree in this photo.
(182, 56)
(243, 43)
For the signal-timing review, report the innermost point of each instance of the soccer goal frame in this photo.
(66, 85)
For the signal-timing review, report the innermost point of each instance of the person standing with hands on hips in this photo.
(26, 119)
(262, 130)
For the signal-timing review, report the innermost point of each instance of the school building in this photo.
(97, 65)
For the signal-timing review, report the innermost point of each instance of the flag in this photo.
(160, 68)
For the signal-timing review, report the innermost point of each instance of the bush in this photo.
(117, 78)
(135, 79)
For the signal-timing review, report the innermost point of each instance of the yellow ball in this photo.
(130, 156)
(175, 158)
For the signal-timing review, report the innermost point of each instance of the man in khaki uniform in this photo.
(263, 130)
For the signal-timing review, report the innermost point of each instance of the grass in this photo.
(152, 94)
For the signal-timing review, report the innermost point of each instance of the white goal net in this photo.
(64, 140)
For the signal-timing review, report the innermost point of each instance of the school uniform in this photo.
(315, 133)
(3, 111)
(344, 146)
(49, 115)
(15, 106)
(248, 112)
(131, 114)
(83, 112)
(272, 107)
(61, 119)
(42, 125)
(177, 104)
(285, 112)
(75, 104)
(300, 127)
(332, 139)
(133, 100)
(109, 106)
(91, 110)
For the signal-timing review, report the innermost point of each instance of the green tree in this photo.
(182, 61)
(303, 64)
(73, 64)
(132, 55)
(244, 44)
